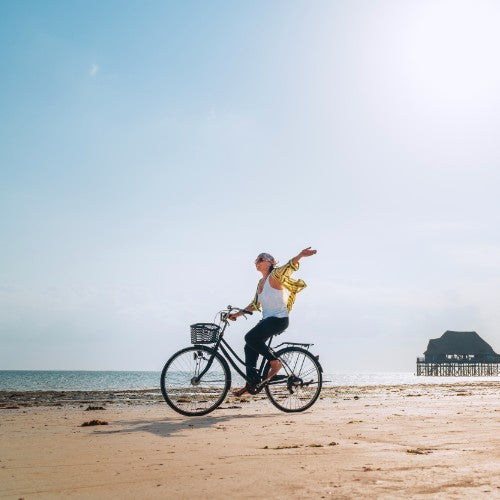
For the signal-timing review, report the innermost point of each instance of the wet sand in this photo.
(428, 441)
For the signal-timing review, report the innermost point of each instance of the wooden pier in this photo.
(457, 369)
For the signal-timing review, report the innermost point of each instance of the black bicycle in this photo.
(196, 380)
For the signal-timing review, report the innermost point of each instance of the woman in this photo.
(275, 296)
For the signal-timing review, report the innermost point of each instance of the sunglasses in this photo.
(260, 259)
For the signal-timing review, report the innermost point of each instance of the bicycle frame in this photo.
(221, 345)
(224, 347)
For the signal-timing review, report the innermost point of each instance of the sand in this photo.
(428, 441)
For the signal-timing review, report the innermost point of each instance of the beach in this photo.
(418, 441)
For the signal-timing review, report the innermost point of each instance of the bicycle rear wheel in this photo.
(298, 384)
(180, 387)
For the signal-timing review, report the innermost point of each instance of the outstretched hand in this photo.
(307, 252)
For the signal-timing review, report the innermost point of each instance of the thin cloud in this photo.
(93, 70)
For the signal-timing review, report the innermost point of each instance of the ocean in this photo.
(26, 380)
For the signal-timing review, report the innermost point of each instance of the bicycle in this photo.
(196, 380)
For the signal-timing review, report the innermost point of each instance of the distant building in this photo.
(460, 346)
(459, 354)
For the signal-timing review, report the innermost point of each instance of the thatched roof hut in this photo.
(460, 345)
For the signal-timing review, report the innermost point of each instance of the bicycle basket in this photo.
(204, 333)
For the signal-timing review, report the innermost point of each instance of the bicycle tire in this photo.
(304, 393)
(177, 386)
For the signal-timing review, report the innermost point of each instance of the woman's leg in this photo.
(255, 343)
(251, 364)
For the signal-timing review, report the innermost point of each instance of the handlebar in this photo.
(244, 311)
(230, 309)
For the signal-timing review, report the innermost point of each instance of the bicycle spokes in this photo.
(194, 382)
(297, 386)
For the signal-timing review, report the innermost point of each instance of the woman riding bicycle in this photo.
(275, 296)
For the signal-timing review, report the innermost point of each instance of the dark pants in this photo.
(255, 343)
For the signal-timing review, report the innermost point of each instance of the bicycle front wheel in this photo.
(181, 388)
(298, 384)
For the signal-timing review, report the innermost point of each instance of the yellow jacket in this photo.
(282, 274)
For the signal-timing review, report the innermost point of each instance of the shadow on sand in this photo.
(169, 426)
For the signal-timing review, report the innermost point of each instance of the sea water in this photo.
(19, 380)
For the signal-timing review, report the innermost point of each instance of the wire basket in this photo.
(204, 333)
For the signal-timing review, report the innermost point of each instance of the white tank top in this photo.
(273, 301)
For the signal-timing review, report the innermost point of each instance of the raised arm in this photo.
(307, 252)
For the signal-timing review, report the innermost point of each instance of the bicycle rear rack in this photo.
(294, 343)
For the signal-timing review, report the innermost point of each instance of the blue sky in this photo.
(149, 150)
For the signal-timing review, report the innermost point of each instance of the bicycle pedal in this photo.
(256, 389)
(264, 383)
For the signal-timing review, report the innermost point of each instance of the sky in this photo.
(150, 150)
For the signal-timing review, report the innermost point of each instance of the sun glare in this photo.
(453, 50)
